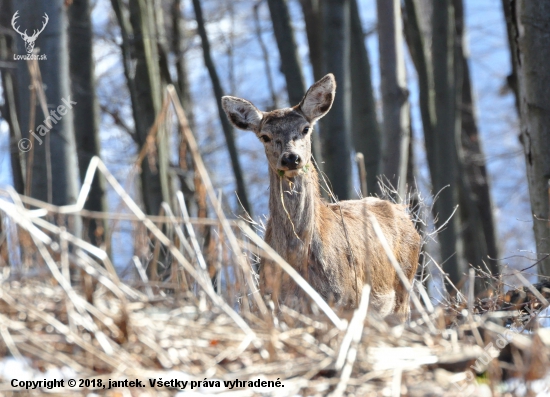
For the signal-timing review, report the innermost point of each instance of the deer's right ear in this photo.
(241, 113)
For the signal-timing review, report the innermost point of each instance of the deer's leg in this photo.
(402, 307)
(384, 303)
(402, 302)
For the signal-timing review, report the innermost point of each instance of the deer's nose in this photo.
(291, 161)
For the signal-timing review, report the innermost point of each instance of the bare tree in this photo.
(446, 178)
(529, 22)
(364, 122)
(179, 35)
(313, 17)
(395, 103)
(265, 55)
(508, 7)
(155, 183)
(478, 224)
(290, 60)
(335, 127)
(54, 169)
(475, 218)
(81, 67)
(142, 71)
(420, 54)
(218, 93)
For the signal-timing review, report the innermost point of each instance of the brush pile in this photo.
(123, 334)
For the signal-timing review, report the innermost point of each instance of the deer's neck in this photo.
(293, 205)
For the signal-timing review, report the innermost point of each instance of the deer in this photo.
(332, 245)
(29, 40)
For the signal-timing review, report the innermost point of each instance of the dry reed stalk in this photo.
(201, 169)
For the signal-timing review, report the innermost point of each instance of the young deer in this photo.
(333, 246)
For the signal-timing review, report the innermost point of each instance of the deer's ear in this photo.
(319, 98)
(241, 113)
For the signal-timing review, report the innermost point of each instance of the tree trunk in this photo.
(191, 185)
(508, 7)
(531, 24)
(265, 55)
(127, 50)
(446, 136)
(476, 206)
(313, 17)
(423, 64)
(335, 126)
(290, 61)
(7, 49)
(179, 34)
(364, 122)
(81, 66)
(218, 93)
(395, 103)
(155, 183)
(55, 166)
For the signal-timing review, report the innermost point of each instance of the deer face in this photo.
(285, 133)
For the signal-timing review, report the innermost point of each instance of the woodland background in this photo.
(446, 96)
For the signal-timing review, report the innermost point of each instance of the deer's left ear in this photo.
(242, 114)
(319, 98)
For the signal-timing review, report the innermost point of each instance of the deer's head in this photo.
(29, 40)
(285, 133)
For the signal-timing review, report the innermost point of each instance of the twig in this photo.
(190, 230)
(143, 276)
(535, 292)
(355, 327)
(353, 334)
(360, 159)
(459, 294)
(201, 169)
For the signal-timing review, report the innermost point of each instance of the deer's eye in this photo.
(265, 138)
(306, 130)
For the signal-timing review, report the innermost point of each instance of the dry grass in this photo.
(64, 305)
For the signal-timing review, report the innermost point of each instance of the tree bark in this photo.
(446, 177)
(313, 17)
(55, 166)
(290, 61)
(508, 8)
(395, 103)
(423, 64)
(335, 126)
(191, 185)
(478, 224)
(86, 122)
(155, 182)
(218, 93)
(531, 24)
(364, 122)
(127, 50)
(179, 34)
(265, 56)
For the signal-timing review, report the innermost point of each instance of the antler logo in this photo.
(29, 40)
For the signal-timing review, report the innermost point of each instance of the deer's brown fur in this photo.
(332, 245)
